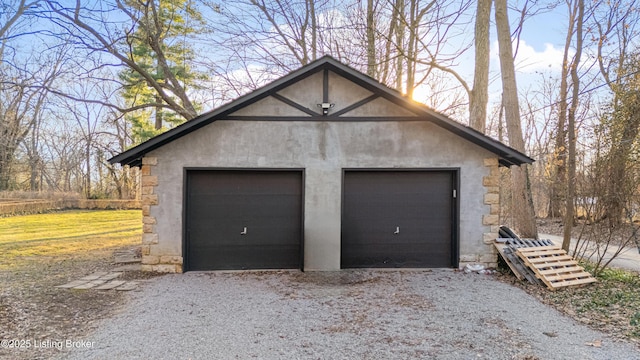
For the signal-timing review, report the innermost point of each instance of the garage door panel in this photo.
(226, 236)
(269, 231)
(232, 256)
(221, 204)
(397, 219)
(380, 258)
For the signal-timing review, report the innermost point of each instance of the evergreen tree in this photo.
(159, 46)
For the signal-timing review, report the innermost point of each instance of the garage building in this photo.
(322, 169)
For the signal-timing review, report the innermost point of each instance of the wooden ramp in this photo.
(553, 266)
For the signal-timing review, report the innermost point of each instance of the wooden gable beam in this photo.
(294, 104)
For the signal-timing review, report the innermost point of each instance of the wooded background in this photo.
(82, 81)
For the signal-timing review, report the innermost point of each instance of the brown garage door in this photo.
(399, 219)
(239, 219)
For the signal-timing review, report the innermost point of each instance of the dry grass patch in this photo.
(611, 305)
(44, 250)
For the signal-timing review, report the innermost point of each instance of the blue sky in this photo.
(543, 38)
(539, 53)
(549, 27)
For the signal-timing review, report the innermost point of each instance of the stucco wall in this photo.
(323, 149)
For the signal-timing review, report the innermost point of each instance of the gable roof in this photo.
(507, 155)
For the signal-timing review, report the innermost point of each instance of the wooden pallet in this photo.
(507, 249)
(517, 266)
(554, 267)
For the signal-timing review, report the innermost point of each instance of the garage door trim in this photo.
(455, 208)
(185, 197)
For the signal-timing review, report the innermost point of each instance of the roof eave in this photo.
(129, 156)
(509, 156)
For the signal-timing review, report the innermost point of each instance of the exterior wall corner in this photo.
(490, 218)
(150, 236)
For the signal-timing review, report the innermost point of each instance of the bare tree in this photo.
(63, 162)
(86, 120)
(88, 30)
(20, 103)
(11, 13)
(271, 32)
(524, 215)
(596, 240)
(300, 34)
(558, 196)
(617, 28)
(429, 26)
(571, 130)
(22, 97)
(117, 140)
(539, 115)
(399, 42)
(33, 149)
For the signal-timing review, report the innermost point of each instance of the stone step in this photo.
(104, 281)
(130, 285)
(95, 276)
(127, 259)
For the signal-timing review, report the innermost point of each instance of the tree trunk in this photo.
(158, 124)
(480, 93)
(387, 61)
(400, 28)
(12, 130)
(524, 215)
(571, 131)
(88, 164)
(558, 195)
(411, 47)
(620, 156)
(371, 40)
(6, 160)
(314, 30)
(33, 172)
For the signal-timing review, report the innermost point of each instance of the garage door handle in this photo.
(397, 230)
(244, 231)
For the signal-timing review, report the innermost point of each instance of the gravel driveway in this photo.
(354, 314)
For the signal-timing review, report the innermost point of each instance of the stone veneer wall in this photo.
(491, 183)
(150, 261)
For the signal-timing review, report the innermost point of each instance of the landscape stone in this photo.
(131, 285)
(89, 285)
(110, 276)
(73, 284)
(94, 276)
(111, 285)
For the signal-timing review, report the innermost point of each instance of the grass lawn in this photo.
(38, 252)
(67, 233)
